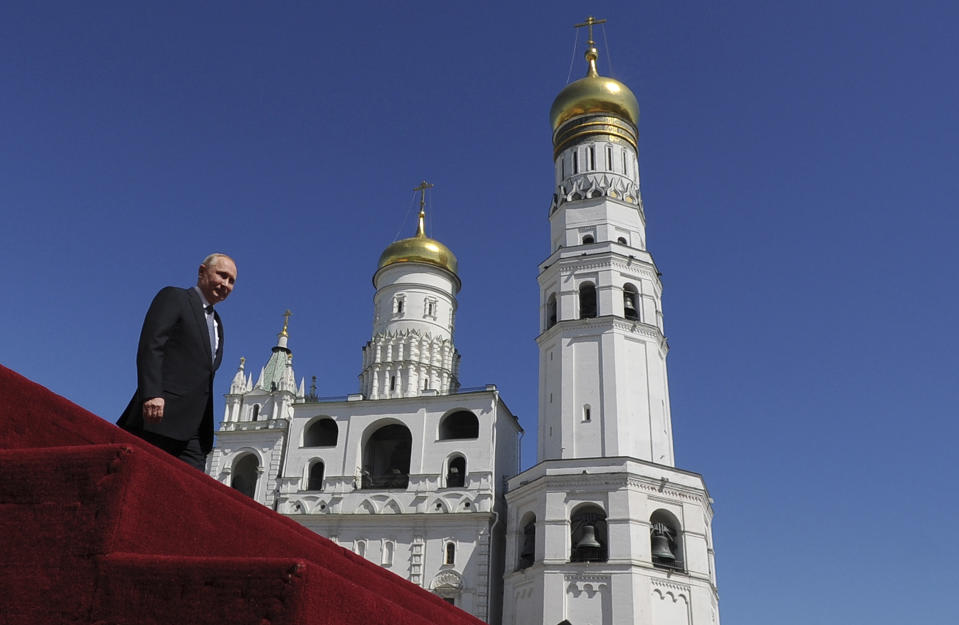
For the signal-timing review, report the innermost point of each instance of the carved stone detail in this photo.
(593, 185)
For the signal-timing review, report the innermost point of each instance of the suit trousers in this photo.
(188, 451)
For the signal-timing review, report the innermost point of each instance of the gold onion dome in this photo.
(594, 94)
(419, 249)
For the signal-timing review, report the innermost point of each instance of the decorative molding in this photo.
(595, 578)
(681, 589)
(592, 185)
(447, 580)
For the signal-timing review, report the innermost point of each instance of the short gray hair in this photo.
(212, 258)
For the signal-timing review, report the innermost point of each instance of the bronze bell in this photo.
(588, 539)
(660, 543)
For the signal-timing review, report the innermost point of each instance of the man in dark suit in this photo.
(181, 345)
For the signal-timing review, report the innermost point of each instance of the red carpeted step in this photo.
(60, 507)
(53, 521)
(148, 590)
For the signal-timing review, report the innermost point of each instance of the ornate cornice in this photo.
(606, 259)
(592, 185)
(626, 326)
(620, 480)
(675, 587)
(229, 427)
(597, 578)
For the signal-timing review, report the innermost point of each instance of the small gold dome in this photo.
(594, 94)
(419, 249)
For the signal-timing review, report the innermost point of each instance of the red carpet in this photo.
(98, 527)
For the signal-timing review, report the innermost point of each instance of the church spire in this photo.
(239, 383)
(274, 375)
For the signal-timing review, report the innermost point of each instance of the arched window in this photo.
(587, 300)
(621, 240)
(386, 458)
(450, 554)
(321, 433)
(588, 534)
(630, 302)
(666, 541)
(588, 238)
(256, 412)
(527, 545)
(551, 310)
(246, 471)
(316, 476)
(459, 424)
(456, 473)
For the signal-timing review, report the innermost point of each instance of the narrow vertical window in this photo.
(587, 300)
(456, 475)
(392, 382)
(551, 311)
(315, 480)
(630, 302)
(527, 550)
(450, 554)
(256, 412)
(609, 158)
(591, 159)
(587, 413)
(576, 162)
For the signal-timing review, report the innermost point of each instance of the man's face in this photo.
(216, 280)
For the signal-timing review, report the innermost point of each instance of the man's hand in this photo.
(153, 409)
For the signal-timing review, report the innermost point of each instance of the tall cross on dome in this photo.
(422, 189)
(286, 321)
(590, 21)
(421, 228)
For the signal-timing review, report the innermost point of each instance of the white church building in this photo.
(423, 476)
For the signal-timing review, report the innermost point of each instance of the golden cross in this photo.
(590, 21)
(422, 189)
(286, 321)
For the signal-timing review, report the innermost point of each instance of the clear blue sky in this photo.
(799, 167)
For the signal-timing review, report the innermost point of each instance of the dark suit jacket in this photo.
(174, 362)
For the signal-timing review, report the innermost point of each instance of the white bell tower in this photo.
(603, 388)
(604, 529)
(412, 349)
